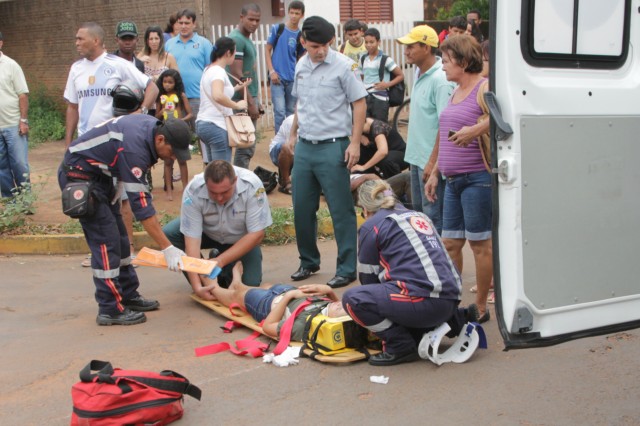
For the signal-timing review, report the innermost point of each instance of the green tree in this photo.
(461, 7)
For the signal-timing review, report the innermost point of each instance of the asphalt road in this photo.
(48, 333)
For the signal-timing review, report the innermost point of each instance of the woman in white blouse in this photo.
(216, 92)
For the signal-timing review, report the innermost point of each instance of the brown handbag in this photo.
(240, 129)
(484, 141)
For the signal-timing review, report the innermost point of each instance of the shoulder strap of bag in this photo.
(104, 372)
(480, 97)
(383, 61)
(278, 34)
(239, 81)
(181, 387)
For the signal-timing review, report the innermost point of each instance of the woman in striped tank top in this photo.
(155, 59)
(467, 200)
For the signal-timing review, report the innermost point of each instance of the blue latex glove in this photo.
(216, 271)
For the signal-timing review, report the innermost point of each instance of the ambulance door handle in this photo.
(503, 129)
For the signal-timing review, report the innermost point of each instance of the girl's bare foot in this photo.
(237, 274)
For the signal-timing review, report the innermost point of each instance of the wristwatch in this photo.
(144, 110)
(25, 121)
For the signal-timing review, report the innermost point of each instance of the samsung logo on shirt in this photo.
(94, 92)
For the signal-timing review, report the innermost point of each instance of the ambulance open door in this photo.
(565, 105)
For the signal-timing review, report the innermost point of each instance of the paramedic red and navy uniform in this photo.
(414, 284)
(123, 148)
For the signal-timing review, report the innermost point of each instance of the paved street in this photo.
(48, 333)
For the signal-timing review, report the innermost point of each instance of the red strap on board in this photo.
(245, 346)
(285, 330)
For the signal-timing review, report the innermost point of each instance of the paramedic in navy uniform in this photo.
(125, 148)
(414, 284)
(327, 85)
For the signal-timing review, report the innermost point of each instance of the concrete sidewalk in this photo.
(48, 333)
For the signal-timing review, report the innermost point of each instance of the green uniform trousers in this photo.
(321, 167)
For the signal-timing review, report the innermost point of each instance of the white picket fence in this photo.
(389, 32)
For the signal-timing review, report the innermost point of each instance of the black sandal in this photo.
(285, 189)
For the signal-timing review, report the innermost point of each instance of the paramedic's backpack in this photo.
(112, 396)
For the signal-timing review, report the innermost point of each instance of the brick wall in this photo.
(40, 34)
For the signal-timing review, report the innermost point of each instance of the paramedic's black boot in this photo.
(385, 358)
(126, 317)
(140, 304)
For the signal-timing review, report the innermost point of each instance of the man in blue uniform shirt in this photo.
(124, 148)
(327, 85)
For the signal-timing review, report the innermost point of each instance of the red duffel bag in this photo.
(105, 396)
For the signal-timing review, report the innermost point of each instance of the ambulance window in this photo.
(575, 33)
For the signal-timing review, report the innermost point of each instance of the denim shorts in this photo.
(258, 301)
(467, 207)
(275, 153)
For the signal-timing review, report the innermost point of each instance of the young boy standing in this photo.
(353, 47)
(378, 97)
(283, 50)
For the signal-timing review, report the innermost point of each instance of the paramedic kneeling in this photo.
(225, 208)
(123, 148)
(414, 284)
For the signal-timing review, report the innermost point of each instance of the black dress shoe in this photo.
(339, 281)
(126, 317)
(385, 358)
(303, 273)
(140, 304)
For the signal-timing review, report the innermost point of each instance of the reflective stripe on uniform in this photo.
(125, 262)
(381, 326)
(368, 269)
(92, 143)
(106, 274)
(134, 187)
(421, 251)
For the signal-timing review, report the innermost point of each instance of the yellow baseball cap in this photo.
(421, 34)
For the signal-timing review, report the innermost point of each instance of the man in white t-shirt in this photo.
(282, 157)
(91, 79)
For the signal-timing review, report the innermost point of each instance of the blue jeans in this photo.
(284, 103)
(215, 140)
(14, 164)
(258, 301)
(467, 206)
(420, 202)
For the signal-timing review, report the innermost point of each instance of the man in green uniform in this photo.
(327, 84)
(244, 67)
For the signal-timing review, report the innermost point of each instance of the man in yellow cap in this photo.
(431, 92)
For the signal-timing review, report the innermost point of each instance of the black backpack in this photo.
(396, 93)
(269, 179)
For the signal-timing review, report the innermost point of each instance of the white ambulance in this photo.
(565, 83)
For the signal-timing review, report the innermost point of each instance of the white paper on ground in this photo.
(379, 379)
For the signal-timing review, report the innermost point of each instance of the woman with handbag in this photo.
(216, 92)
(467, 211)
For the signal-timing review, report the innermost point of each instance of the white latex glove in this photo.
(173, 256)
